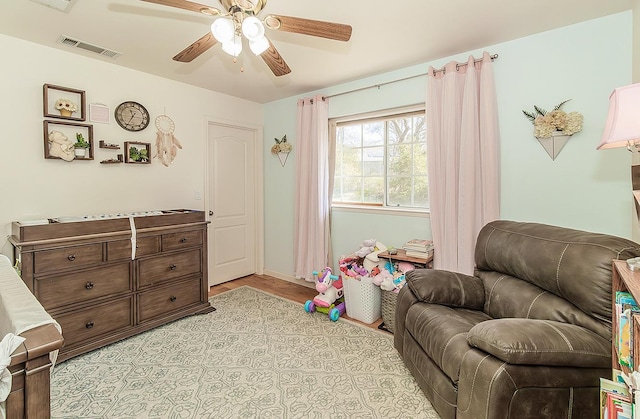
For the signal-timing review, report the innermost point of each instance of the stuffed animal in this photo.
(372, 259)
(384, 280)
(405, 267)
(60, 146)
(366, 248)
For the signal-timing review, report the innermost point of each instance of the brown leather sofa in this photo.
(528, 336)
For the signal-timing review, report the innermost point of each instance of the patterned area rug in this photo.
(257, 356)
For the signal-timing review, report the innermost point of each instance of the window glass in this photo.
(382, 161)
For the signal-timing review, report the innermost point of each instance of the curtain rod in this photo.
(379, 85)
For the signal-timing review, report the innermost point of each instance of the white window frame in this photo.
(371, 209)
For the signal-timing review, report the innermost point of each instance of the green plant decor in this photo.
(81, 142)
(138, 155)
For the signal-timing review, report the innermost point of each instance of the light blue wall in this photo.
(583, 188)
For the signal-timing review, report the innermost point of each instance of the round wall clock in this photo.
(132, 116)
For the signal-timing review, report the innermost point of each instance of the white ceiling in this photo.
(387, 35)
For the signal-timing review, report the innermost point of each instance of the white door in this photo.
(231, 197)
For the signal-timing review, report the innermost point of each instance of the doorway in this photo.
(233, 198)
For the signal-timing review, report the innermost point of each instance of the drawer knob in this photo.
(173, 267)
(71, 257)
(173, 298)
(89, 285)
(183, 240)
(89, 325)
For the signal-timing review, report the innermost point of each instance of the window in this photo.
(382, 161)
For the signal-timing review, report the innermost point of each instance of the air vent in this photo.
(65, 40)
(62, 5)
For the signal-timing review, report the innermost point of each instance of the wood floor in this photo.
(281, 288)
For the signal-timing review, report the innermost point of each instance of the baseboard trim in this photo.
(290, 278)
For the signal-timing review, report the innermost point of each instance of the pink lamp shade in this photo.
(623, 121)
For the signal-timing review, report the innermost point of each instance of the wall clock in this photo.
(132, 116)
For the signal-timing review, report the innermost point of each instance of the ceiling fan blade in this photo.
(275, 62)
(187, 5)
(194, 50)
(328, 30)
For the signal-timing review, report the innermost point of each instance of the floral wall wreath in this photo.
(553, 129)
(282, 148)
(545, 124)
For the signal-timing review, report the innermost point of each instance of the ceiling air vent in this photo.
(65, 40)
(61, 5)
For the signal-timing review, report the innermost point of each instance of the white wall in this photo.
(583, 188)
(33, 187)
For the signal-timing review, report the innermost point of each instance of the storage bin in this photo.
(362, 299)
(388, 307)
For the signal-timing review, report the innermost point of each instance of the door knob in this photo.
(210, 212)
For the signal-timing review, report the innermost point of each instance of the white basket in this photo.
(362, 298)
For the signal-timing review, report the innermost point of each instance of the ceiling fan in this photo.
(240, 17)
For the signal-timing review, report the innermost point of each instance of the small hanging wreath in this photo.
(281, 146)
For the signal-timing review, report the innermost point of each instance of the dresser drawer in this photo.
(82, 326)
(176, 241)
(60, 290)
(156, 302)
(67, 258)
(163, 268)
(121, 249)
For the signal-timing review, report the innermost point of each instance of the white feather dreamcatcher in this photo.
(167, 144)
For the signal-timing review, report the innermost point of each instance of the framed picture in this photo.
(63, 102)
(135, 152)
(68, 141)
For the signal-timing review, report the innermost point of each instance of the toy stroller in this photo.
(331, 298)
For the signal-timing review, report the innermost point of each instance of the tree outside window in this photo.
(382, 162)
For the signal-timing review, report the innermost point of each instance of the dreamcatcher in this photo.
(167, 144)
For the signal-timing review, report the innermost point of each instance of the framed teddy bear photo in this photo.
(68, 141)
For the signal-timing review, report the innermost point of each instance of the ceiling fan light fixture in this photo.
(259, 46)
(233, 47)
(252, 28)
(223, 30)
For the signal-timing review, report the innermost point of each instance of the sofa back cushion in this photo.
(508, 297)
(571, 265)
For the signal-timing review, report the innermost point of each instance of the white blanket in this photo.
(19, 311)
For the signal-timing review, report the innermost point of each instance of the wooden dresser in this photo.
(86, 277)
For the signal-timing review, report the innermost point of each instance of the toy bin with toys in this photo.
(362, 298)
(362, 295)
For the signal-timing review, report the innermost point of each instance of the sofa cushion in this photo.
(441, 332)
(572, 264)
(541, 342)
(506, 297)
(447, 288)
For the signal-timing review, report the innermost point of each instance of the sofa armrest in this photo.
(541, 342)
(446, 288)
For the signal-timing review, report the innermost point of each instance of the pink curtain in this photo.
(313, 188)
(463, 159)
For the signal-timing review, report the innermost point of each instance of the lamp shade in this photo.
(252, 28)
(233, 47)
(223, 30)
(259, 45)
(623, 120)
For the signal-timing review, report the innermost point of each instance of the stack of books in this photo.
(625, 308)
(419, 248)
(615, 399)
